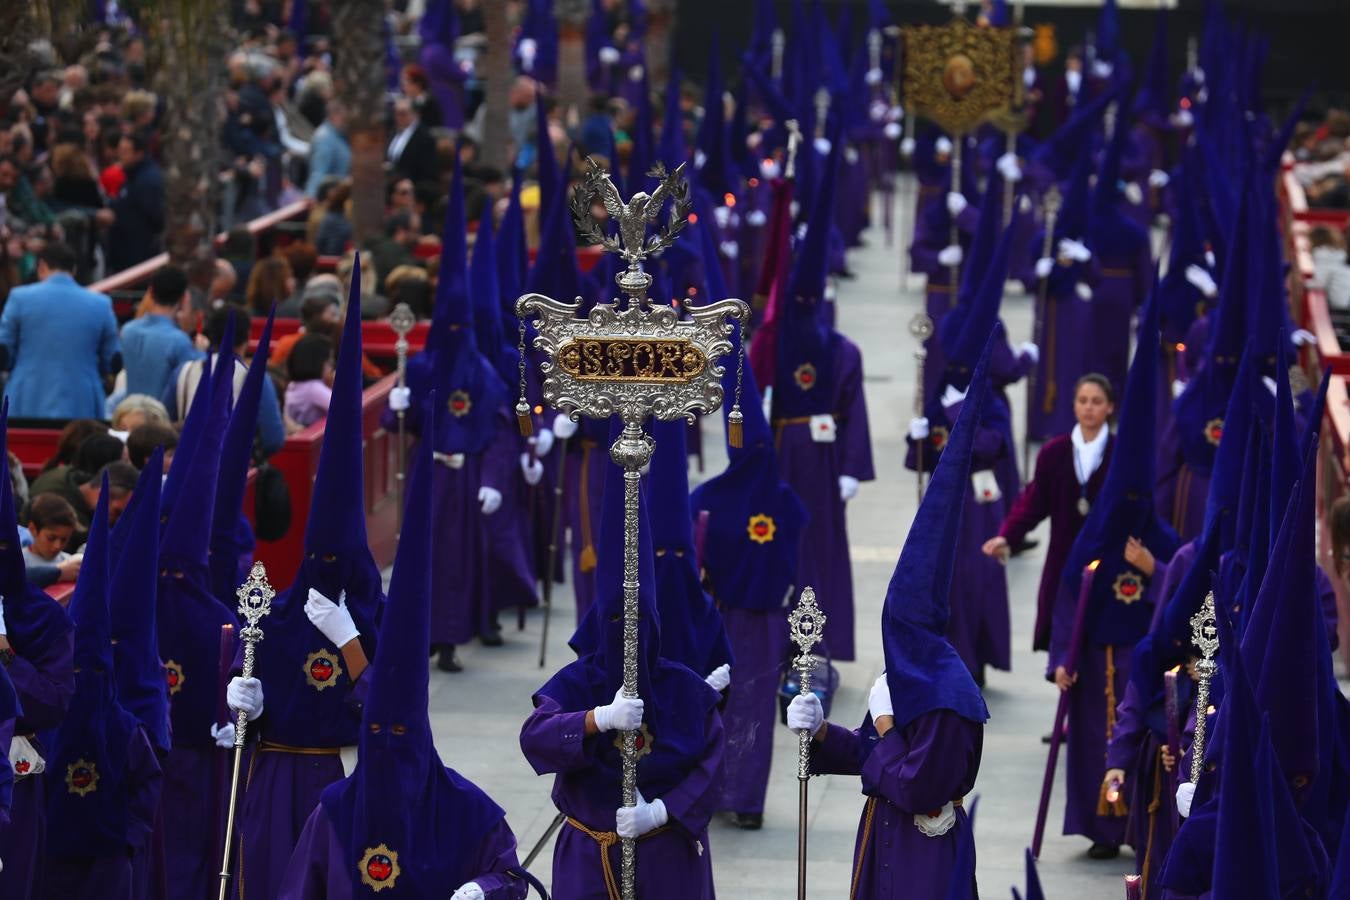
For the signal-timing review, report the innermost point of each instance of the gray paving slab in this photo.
(477, 714)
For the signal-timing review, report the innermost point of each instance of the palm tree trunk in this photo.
(660, 28)
(497, 74)
(571, 16)
(359, 81)
(19, 27)
(189, 41)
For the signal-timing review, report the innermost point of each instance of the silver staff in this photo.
(633, 359)
(921, 329)
(402, 321)
(806, 626)
(255, 601)
(1205, 636)
(1041, 311)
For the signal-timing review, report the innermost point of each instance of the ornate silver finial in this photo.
(402, 320)
(255, 601)
(921, 326)
(634, 216)
(1205, 636)
(806, 626)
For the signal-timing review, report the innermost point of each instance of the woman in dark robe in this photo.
(1069, 472)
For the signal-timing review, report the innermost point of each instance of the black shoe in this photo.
(447, 661)
(1047, 737)
(1103, 851)
(748, 821)
(1025, 546)
(491, 639)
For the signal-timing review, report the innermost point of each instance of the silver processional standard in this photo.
(634, 359)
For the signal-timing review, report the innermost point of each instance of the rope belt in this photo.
(1116, 273)
(269, 747)
(605, 840)
(869, 811)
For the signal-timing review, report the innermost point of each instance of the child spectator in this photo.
(310, 368)
(51, 522)
(143, 440)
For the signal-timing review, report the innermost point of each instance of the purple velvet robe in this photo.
(1182, 491)
(1103, 673)
(190, 805)
(1124, 282)
(112, 877)
(852, 197)
(320, 870)
(940, 297)
(583, 492)
(510, 535)
(1067, 339)
(1006, 368)
(812, 469)
(758, 640)
(463, 602)
(44, 686)
(1052, 493)
(674, 863)
(279, 792)
(911, 771)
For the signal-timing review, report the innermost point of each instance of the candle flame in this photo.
(1092, 566)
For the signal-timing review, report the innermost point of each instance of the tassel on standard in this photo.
(523, 418)
(735, 428)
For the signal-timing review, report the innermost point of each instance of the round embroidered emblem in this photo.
(81, 777)
(761, 528)
(379, 867)
(459, 403)
(1214, 431)
(322, 669)
(938, 435)
(805, 376)
(173, 674)
(1129, 587)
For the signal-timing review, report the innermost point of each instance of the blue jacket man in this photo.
(153, 346)
(58, 341)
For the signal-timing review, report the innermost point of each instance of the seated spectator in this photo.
(395, 248)
(57, 361)
(81, 490)
(319, 314)
(96, 452)
(22, 207)
(410, 285)
(178, 395)
(72, 436)
(310, 369)
(136, 216)
(17, 480)
(154, 345)
(271, 281)
(1331, 269)
(75, 184)
(373, 304)
(145, 439)
(302, 256)
(240, 252)
(136, 410)
(335, 229)
(51, 523)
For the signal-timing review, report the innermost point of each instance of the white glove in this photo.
(609, 56)
(490, 498)
(624, 714)
(892, 131)
(563, 427)
(1270, 384)
(1083, 290)
(1182, 118)
(895, 113)
(635, 821)
(529, 48)
(943, 146)
(1185, 794)
(719, 678)
(1134, 193)
(543, 443)
(770, 169)
(755, 218)
(956, 202)
(1009, 168)
(223, 735)
(873, 76)
(635, 73)
(951, 255)
(907, 147)
(1074, 250)
(245, 694)
(722, 215)
(1044, 266)
(730, 249)
(2, 616)
(1102, 69)
(879, 698)
(804, 713)
(1158, 178)
(400, 398)
(848, 487)
(1202, 280)
(532, 469)
(333, 620)
(1178, 388)
(472, 891)
(1029, 349)
(822, 146)
(918, 428)
(1209, 258)
(1302, 337)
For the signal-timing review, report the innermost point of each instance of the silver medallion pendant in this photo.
(1083, 506)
